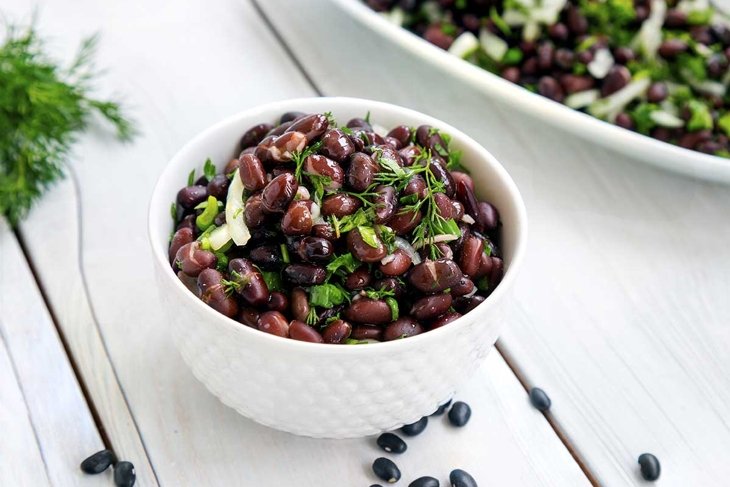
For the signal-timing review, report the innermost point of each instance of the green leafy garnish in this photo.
(327, 295)
(347, 223)
(320, 184)
(300, 157)
(173, 212)
(700, 118)
(369, 236)
(191, 178)
(724, 123)
(312, 317)
(209, 169)
(379, 294)
(273, 280)
(43, 108)
(346, 262)
(499, 22)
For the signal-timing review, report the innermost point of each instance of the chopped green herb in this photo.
(285, 253)
(312, 317)
(393, 307)
(43, 109)
(379, 294)
(205, 219)
(513, 56)
(700, 17)
(222, 263)
(346, 262)
(320, 183)
(369, 236)
(724, 123)
(173, 212)
(327, 295)
(387, 235)
(367, 117)
(700, 118)
(209, 169)
(273, 280)
(191, 178)
(300, 158)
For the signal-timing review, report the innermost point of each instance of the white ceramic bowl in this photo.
(630, 143)
(332, 391)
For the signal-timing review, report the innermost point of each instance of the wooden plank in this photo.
(19, 446)
(192, 439)
(624, 311)
(61, 419)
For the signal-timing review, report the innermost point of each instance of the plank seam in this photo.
(25, 401)
(66, 347)
(562, 435)
(84, 283)
(287, 49)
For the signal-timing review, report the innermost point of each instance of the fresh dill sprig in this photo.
(300, 158)
(43, 108)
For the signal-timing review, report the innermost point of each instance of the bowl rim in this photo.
(686, 161)
(267, 110)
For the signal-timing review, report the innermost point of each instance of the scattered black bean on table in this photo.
(425, 482)
(124, 474)
(355, 237)
(416, 428)
(391, 443)
(649, 466)
(442, 408)
(539, 399)
(460, 478)
(459, 414)
(98, 462)
(386, 470)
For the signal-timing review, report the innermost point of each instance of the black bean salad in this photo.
(337, 234)
(658, 67)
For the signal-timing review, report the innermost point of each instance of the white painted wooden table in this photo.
(624, 314)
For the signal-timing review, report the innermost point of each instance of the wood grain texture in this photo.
(63, 430)
(205, 61)
(623, 317)
(19, 445)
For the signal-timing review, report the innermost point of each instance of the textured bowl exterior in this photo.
(331, 391)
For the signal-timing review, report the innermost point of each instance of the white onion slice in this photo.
(403, 244)
(612, 105)
(302, 193)
(468, 219)
(315, 211)
(395, 16)
(464, 45)
(219, 237)
(318, 221)
(601, 64)
(494, 46)
(650, 33)
(387, 259)
(234, 211)
(471, 293)
(708, 87)
(582, 99)
(666, 119)
(445, 237)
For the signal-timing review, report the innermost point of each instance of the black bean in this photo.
(255, 134)
(459, 413)
(549, 87)
(340, 204)
(442, 408)
(672, 47)
(298, 330)
(312, 126)
(182, 237)
(361, 172)
(369, 311)
(403, 327)
(425, 482)
(416, 428)
(432, 306)
(251, 285)
(298, 219)
(273, 322)
(267, 257)
(362, 250)
(460, 478)
(213, 293)
(124, 474)
(190, 196)
(304, 274)
(290, 116)
(385, 201)
(359, 123)
(617, 77)
(98, 462)
(337, 332)
(315, 249)
(386, 470)
(624, 54)
(391, 443)
(650, 467)
(539, 399)
(337, 145)
(277, 195)
(433, 276)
